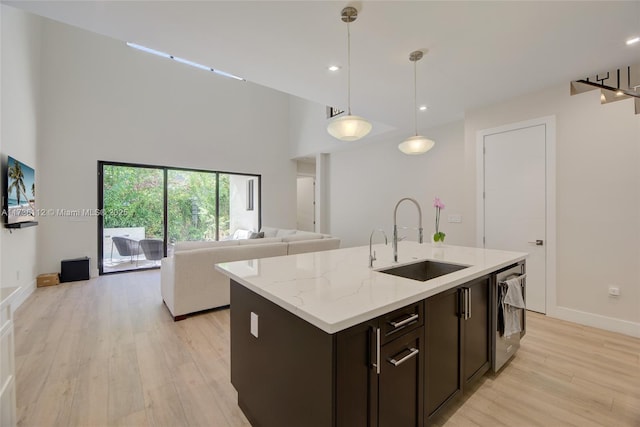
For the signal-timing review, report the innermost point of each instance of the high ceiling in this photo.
(478, 52)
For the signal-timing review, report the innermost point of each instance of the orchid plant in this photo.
(439, 235)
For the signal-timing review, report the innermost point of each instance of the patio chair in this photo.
(153, 249)
(125, 247)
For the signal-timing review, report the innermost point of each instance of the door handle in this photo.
(538, 242)
(414, 352)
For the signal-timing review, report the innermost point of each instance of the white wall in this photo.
(104, 101)
(20, 89)
(367, 182)
(306, 167)
(598, 200)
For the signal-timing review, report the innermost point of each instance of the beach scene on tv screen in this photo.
(21, 192)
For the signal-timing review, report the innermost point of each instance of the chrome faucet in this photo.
(373, 257)
(395, 225)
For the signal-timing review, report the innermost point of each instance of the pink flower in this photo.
(439, 236)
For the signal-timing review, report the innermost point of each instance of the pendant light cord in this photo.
(415, 98)
(349, 67)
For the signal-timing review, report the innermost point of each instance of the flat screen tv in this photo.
(20, 194)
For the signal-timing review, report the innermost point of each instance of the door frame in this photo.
(550, 187)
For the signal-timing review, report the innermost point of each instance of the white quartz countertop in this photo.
(334, 290)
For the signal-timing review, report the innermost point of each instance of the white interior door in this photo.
(515, 202)
(306, 203)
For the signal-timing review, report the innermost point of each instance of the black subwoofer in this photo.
(72, 270)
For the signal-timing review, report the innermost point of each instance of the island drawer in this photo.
(401, 321)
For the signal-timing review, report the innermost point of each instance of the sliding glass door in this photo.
(192, 205)
(148, 209)
(133, 217)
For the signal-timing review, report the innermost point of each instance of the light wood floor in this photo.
(106, 352)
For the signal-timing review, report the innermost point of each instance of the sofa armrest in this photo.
(198, 286)
(167, 282)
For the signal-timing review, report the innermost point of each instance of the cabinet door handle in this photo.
(408, 320)
(463, 292)
(414, 352)
(468, 303)
(376, 364)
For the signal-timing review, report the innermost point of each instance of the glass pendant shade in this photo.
(349, 128)
(416, 145)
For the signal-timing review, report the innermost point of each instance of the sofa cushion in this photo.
(240, 234)
(189, 245)
(302, 236)
(256, 252)
(260, 241)
(269, 231)
(285, 232)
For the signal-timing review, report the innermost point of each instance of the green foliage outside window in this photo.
(133, 197)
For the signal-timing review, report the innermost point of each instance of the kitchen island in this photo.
(322, 339)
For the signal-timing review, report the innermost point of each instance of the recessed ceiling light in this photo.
(334, 67)
(423, 108)
(633, 40)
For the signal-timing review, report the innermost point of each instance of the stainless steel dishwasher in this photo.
(505, 347)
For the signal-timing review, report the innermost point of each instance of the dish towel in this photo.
(511, 306)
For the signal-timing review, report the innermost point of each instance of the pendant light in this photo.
(349, 127)
(415, 144)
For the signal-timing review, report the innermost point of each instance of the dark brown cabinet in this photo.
(400, 369)
(442, 356)
(400, 396)
(476, 326)
(379, 367)
(457, 330)
(356, 377)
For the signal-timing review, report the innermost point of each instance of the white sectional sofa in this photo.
(190, 283)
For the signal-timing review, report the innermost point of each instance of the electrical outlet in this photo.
(455, 218)
(614, 291)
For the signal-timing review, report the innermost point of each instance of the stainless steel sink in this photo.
(423, 270)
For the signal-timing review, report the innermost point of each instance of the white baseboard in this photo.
(25, 292)
(597, 321)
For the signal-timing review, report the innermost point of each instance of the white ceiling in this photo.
(478, 52)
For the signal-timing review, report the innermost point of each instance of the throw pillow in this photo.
(255, 235)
